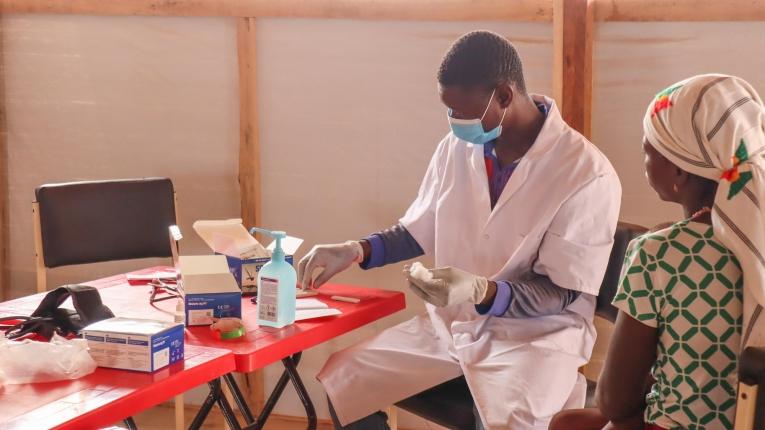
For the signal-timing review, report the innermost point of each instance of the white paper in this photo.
(229, 237)
(308, 314)
(161, 274)
(304, 304)
(290, 245)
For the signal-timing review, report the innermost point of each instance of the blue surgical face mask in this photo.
(471, 130)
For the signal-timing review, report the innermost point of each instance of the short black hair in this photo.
(482, 58)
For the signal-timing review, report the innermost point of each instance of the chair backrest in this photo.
(625, 232)
(95, 221)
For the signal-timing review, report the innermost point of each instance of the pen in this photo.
(346, 299)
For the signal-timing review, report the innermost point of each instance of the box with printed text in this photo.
(209, 289)
(244, 254)
(134, 344)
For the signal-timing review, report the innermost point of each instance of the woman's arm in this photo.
(621, 387)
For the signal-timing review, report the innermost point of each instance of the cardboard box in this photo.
(134, 344)
(209, 289)
(244, 254)
(246, 271)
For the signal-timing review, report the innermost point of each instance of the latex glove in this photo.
(446, 286)
(333, 259)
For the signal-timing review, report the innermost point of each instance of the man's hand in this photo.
(446, 286)
(333, 259)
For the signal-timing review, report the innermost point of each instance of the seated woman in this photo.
(679, 329)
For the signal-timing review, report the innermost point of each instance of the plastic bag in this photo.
(30, 361)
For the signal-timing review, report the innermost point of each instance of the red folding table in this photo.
(107, 396)
(260, 346)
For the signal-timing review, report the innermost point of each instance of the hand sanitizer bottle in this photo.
(277, 289)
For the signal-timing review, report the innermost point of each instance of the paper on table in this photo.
(307, 314)
(150, 276)
(303, 304)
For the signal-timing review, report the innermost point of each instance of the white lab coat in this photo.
(557, 216)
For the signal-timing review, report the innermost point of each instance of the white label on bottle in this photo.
(268, 295)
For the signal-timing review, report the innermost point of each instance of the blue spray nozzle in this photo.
(276, 234)
(278, 252)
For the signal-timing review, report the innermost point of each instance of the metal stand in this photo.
(290, 374)
(130, 424)
(215, 396)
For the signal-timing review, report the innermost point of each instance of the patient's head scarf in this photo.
(714, 126)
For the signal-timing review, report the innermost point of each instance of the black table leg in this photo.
(215, 396)
(290, 374)
(130, 424)
(239, 398)
(290, 367)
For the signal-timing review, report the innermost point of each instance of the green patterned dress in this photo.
(688, 286)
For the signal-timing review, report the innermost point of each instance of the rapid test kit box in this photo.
(209, 290)
(244, 254)
(134, 344)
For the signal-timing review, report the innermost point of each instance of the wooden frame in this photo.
(433, 10)
(746, 405)
(680, 10)
(573, 23)
(42, 282)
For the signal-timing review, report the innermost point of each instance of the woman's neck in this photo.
(699, 211)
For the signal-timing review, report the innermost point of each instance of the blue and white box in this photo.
(136, 344)
(246, 271)
(244, 254)
(209, 289)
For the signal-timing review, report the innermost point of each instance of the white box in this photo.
(245, 255)
(209, 289)
(134, 344)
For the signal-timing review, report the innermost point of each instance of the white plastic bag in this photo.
(29, 361)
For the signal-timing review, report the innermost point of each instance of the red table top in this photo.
(107, 396)
(260, 346)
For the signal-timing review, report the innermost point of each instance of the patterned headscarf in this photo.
(714, 126)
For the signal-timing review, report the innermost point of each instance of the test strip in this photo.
(301, 294)
(346, 299)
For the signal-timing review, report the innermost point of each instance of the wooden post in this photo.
(249, 148)
(249, 160)
(42, 281)
(5, 287)
(573, 25)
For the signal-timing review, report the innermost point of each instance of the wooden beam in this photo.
(5, 286)
(432, 10)
(572, 75)
(558, 52)
(249, 159)
(249, 145)
(680, 10)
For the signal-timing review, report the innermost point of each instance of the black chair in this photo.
(750, 406)
(97, 221)
(625, 232)
(451, 405)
